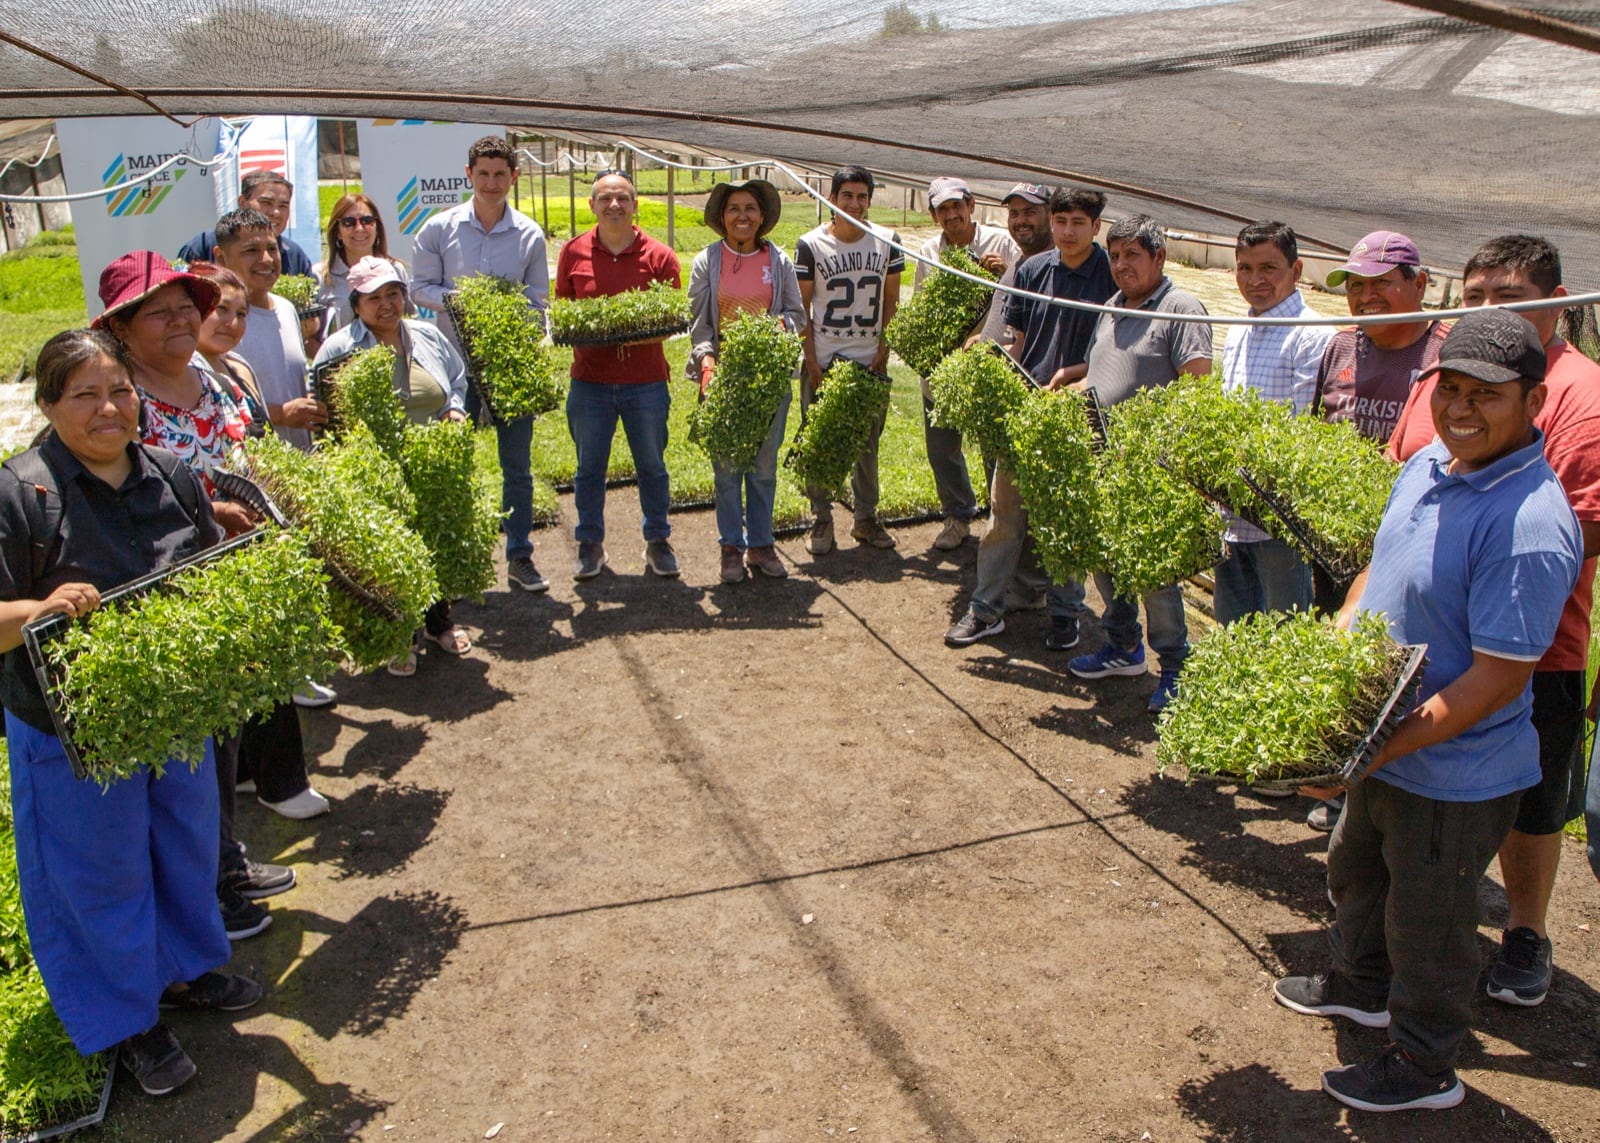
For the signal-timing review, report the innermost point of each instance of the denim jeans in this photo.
(949, 464)
(1005, 558)
(745, 496)
(1267, 575)
(592, 414)
(514, 441)
(1163, 610)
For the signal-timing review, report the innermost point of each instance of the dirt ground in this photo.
(768, 862)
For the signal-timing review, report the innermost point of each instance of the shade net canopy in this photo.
(1337, 118)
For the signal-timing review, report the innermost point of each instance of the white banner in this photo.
(412, 169)
(286, 144)
(161, 214)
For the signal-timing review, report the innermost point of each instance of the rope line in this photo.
(85, 196)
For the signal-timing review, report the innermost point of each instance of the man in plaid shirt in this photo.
(1258, 573)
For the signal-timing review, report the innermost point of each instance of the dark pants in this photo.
(230, 855)
(949, 464)
(1404, 872)
(436, 621)
(273, 755)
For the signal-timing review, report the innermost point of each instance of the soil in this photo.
(767, 861)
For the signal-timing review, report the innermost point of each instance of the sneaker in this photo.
(660, 559)
(1109, 660)
(1062, 636)
(1325, 815)
(950, 536)
(1521, 973)
(258, 880)
(306, 804)
(240, 917)
(246, 787)
(1166, 690)
(591, 559)
(157, 1061)
(819, 541)
(732, 564)
(213, 992)
(520, 572)
(764, 559)
(1392, 1081)
(971, 627)
(311, 694)
(1327, 994)
(871, 533)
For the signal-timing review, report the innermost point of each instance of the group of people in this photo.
(132, 905)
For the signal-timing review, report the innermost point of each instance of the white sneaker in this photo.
(306, 804)
(314, 694)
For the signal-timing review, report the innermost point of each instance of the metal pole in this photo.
(819, 202)
(516, 183)
(905, 208)
(572, 201)
(672, 207)
(344, 173)
(544, 187)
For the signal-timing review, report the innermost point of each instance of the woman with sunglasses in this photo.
(355, 231)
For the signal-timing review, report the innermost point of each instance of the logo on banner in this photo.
(142, 197)
(423, 197)
(267, 159)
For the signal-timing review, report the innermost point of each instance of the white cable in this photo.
(85, 196)
(572, 164)
(686, 166)
(43, 155)
(1117, 311)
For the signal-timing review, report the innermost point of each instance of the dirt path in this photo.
(768, 862)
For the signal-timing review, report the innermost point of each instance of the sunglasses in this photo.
(351, 221)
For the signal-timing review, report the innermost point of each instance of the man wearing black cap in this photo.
(1476, 556)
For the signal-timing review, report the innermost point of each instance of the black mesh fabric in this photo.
(1338, 118)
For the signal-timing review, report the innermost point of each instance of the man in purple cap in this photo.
(1367, 371)
(950, 204)
(1476, 556)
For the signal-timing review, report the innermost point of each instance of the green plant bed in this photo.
(502, 337)
(755, 368)
(1276, 697)
(23, 335)
(940, 314)
(658, 310)
(1053, 464)
(44, 1082)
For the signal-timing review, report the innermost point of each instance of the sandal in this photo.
(453, 641)
(403, 666)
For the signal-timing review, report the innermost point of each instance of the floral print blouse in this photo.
(205, 436)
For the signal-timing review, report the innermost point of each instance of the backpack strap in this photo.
(177, 475)
(41, 503)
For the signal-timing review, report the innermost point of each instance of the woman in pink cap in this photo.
(429, 378)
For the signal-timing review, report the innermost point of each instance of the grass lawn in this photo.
(41, 294)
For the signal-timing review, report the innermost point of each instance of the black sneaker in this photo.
(520, 572)
(971, 627)
(1329, 995)
(1392, 1081)
(213, 992)
(1062, 636)
(660, 559)
(258, 880)
(1521, 973)
(591, 559)
(241, 918)
(157, 1061)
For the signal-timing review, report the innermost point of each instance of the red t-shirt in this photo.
(1570, 420)
(586, 269)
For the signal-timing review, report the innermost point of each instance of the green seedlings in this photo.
(1207, 434)
(658, 310)
(457, 511)
(1276, 697)
(838, 426)
(145, 680)
(356, 459)
(1053, 464)
(755, 368)
(974, 391)
(14, 954)
(940, 314)
(299, 290)
(503, 337)
(362, 392)
(43, 1079)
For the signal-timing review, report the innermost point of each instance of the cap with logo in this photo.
(943, 190)
(1028, 192)
(1377, 254)
(1494, 346)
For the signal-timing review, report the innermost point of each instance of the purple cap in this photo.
(943, 190)
(1377, 254)
(1028, 192)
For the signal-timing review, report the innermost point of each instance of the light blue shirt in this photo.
(1482, 561)
(453, 244)
(425, 345)
(1280, 362)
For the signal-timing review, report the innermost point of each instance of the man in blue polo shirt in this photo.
(1476, 555)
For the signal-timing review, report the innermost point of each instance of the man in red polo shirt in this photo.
(618, 382)
(1519, 268)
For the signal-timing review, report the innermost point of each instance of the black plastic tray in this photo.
(469, 356)
(1097, 421)
(324, 378)
(91, 1119)
(41, 631)
(1336, 570)
(598, 340)
(246, 491)
(1216, 496)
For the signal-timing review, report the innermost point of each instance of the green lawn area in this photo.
(41, 294)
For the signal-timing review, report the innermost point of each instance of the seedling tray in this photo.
(91, 1119)
(1214, 495)
(626, 337)
(1337, 570)
(246, 491)
(1097, 421)
(40, 632)
(1004, 354)
(452, 306)
(324, 378)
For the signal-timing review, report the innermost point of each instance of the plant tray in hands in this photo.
(1097, 421)
(1016, 366)
(626, 337)
(246, 491)
(1337, 570)
(37, 634)
(469, 356)
(1217, 497)
(323, 379)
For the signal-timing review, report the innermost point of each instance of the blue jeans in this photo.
(592, 414)
(745, 496)
(1163, 610)
(1591, 811)
(1267, 575)
(514, 442)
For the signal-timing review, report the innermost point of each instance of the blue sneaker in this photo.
(1108, 660)
(1166, 690)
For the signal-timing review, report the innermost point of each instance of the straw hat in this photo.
(766, 196)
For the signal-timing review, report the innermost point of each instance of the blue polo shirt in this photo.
(1480, 561)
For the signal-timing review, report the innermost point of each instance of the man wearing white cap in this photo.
(950, 204)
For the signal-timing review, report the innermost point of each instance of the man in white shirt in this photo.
(485, 235)
(950, 204)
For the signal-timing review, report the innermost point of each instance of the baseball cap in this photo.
(1028, 192)
(1377, 254)
(370, 273)
(943, 190)
(1491, 345)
